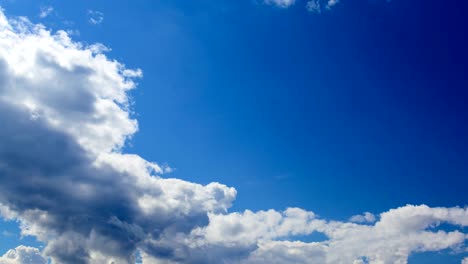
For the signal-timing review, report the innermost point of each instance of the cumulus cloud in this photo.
(262, 237)
(280, 3)
(45, 11)
(465, 261)
(64, 109)
(23, 255)
(95, 17)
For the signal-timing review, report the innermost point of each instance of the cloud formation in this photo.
(280, 3)
(65, 113)
(95, 17)
(23, 255)
(313, 6)
(397, 234)
(332, 3)
(64, 109)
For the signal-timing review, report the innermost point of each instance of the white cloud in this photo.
(279, 252)
(65, 117)
(96, 87)
(45, 11)
(315, 6)
(332, 3)
(465, 261)
(364, 218)
(263, 236)
(95, 17)
(280, 3)
(65, 109)
(250, 227)
(23, 255)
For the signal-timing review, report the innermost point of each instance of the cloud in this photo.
(64, 109)
(45, 11)
(280, 3)
(332, 3)
(397, 234)
(364, 218)
(313, 6)
(95, 17)
(262, 237)
(23, 255)
(465, 261)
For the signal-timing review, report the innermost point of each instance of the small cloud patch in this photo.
(95, 17)
(45, 11)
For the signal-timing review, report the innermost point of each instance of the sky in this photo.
(237, 132)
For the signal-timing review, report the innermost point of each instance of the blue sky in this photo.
(359, 108)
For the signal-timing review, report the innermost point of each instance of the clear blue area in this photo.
(361, 108)
(445, 257)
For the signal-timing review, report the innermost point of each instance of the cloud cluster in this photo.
(64, 109)
(314, 6)
(23, 255)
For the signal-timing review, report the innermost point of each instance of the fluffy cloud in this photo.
(280, 3)
(65, 118)
(464, 261)
(262, 237)
(23, 255)
(65, 114)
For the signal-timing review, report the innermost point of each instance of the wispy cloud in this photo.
(280, 3)
(95, 17)
(314, 6)
(6, 233)
(45, 11)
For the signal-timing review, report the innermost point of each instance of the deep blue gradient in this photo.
(361, 108)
